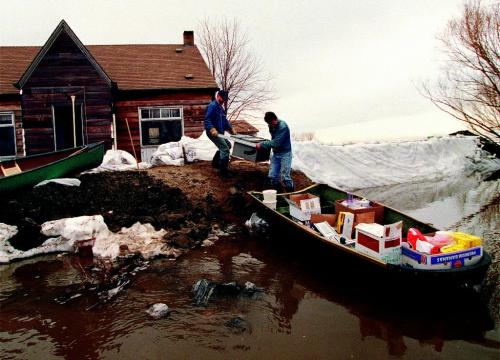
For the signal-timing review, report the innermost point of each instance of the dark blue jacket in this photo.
(280, 139)
(215, 117)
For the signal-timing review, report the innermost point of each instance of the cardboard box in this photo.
(303, 205)
(329, 218)
(380, 241)
(457, 259)
(373, 213)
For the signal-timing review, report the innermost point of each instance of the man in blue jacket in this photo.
(216, 123)
(281, 160)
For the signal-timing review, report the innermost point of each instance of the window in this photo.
(160, 125)
(7, 134)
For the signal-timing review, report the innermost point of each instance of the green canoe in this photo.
(458, 272)
(28, 171)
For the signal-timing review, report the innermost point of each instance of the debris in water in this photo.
(158, 311)
(239, 324)
(256, 225)
(204, 289)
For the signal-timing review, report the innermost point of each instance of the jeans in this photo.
(281, 166)
(223, 145)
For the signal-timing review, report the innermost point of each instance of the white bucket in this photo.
(270, 204)
(269, 195)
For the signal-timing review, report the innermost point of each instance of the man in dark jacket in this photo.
(216, 123)
(281, 160)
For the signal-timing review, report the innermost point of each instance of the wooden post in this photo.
(115, 136)
(132, 143)
(74, 120)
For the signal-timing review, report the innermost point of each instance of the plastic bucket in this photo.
(270, 204)
(269, 195)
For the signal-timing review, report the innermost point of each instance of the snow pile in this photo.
(360, 166)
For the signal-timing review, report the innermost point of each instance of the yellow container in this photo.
(466, 240)
(452, 248)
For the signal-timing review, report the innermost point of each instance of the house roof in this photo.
(63, 27)
(131, 67)
(244, 127)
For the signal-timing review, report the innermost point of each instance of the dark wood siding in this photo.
(65, 71)
(193, 103)
(14, 106)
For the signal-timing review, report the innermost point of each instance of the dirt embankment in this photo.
(186, 200)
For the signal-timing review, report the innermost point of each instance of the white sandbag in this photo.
(168, 154)
(198, 149)
(62, 181)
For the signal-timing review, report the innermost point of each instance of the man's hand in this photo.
(257, 146)
(213, 132)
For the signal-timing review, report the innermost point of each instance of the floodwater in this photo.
(304, 311)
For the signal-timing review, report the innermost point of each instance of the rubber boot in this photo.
(289, 189)
(224, 172)
(216, 160)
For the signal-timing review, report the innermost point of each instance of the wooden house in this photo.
(65, 94)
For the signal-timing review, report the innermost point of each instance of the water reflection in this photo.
(444, 203)
(310, 308)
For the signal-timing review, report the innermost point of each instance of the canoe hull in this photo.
(82, 159)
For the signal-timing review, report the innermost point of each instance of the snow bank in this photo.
(367, 165)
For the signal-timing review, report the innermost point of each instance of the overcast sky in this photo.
(333, 62)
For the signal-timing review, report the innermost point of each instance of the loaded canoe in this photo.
(454, 275)
(22, 172)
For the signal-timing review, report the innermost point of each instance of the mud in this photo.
(187, 200)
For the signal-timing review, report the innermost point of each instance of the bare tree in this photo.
(469, 89)
(224, 45)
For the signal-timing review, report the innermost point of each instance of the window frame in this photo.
(141, 120)
(13, 126)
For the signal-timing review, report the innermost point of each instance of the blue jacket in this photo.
(215, 117)
(280, 139)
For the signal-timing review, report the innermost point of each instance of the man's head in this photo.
(222, 96)
(271, 119)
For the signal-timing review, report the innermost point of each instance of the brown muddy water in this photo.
(304, 311)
